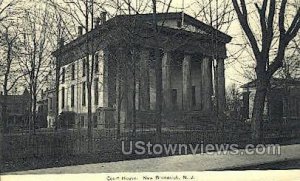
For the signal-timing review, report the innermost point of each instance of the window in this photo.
(72, 95)
(50, 104)
(193, 96)
(83, 93)
(96, 91)
(96, 63)
(174, 98)
(73, 71)
(95, 121)
(83, 67)
(294, 106)
(179, 24)
(82, 121)
(63, 75)
(63, 98)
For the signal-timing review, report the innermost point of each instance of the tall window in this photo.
(63, 98)
(95, 121)
(83, 67)
(96, 91)
(73, 71)
(63, 75)
(194, 96)
(72, 95)
(83, 93)
(294, 106)
(174, 98)
(179, 24)
(82, 121)
(96, 63)
(50, 103)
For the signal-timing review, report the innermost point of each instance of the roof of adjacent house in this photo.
(122, 20)
(274, 82)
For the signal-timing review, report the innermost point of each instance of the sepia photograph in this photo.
(129, 90)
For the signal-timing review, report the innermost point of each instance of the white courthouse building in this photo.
(124, 70)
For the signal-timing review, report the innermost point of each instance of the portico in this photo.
(187, 83)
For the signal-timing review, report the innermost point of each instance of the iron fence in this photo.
(107, 142)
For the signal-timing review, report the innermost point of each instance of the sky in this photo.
(233, 69)
(238, 57)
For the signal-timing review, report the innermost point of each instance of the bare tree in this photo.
(36, 55)
(6, 9)
(9, 42)
(220, 15)
(266, 65)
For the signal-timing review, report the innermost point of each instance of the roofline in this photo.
(289, 81)
(170, 15)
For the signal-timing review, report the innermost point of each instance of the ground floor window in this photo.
(174, 98)
(82, 121)
(95, 120)
(193, 96)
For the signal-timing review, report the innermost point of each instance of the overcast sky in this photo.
(238, 57)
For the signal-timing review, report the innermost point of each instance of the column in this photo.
(221, 86)
(187, 83)
(166, 81)
(145, 81)
(121, 89)
(105, 77)
(206, 84)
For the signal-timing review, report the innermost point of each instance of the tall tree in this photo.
(36, 53)
(9, 43)
(6, 11)
(266, 65)
(220, 15)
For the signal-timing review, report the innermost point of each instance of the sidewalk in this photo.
(200, 162)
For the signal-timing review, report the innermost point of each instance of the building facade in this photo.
(130, 59)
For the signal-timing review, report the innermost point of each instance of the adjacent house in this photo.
(282, 101)
(17, 110)
(124, 51)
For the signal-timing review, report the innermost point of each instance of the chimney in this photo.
(80, 30)
(103, 17)
(97, 22)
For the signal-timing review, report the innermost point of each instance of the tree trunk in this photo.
(89, 85)
(34, 100)
(159, 95)
(134, 94)
(158, 75)
(258, 109)
(3, 127)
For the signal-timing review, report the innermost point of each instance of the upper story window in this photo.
(63, 75)
(96, 63)
(63, 98)
(72, 95)
(83, 94)
(73, 71)
(96, 91)
(83, 67)
(50, 103)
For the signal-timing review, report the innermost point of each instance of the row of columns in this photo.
(206, 83)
